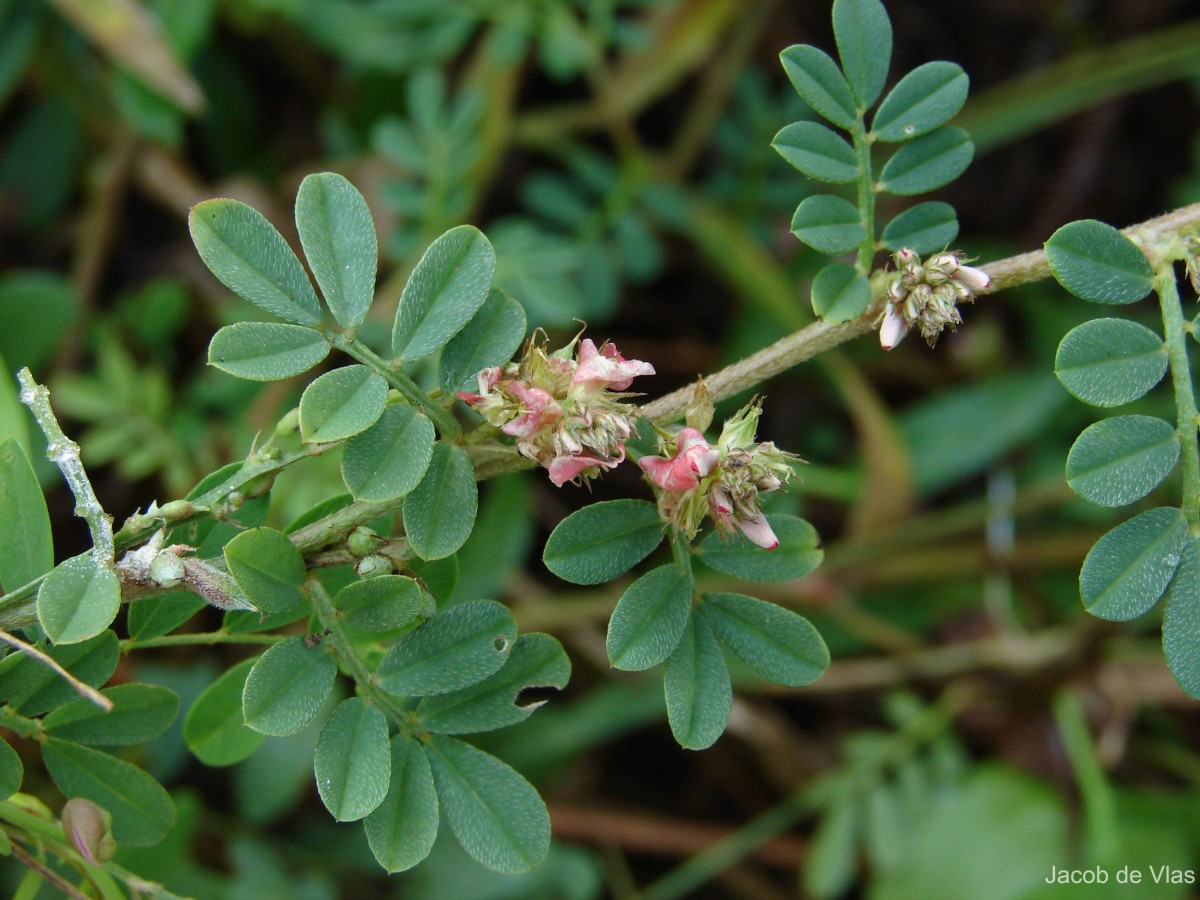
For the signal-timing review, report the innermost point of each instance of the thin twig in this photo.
(47, 873)
(659, 835)
(819, 336)
(64, 453)
(84, 690)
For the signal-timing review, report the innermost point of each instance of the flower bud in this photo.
(362, 542)
(89, 829)
(893, 328)
(289, 424)
(975, 280)
(166, 570)
(373, 566)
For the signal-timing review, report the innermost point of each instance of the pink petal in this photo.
(488, 378)
(758, 530)
(606, 367)
(702, 459)
(567, 468)
(719, 498)
(541, 411)
(669, 474)
(472, 399)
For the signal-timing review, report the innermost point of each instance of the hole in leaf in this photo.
(534, 696)
(501, 644)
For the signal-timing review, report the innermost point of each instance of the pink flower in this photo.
(567, 468)
(693, 459)
(487, 379)
(539, 411)
(754, 526)
(606, 368)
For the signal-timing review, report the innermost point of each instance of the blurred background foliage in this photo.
(975, 727)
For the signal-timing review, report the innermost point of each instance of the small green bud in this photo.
(289, 424)
(176, 510)
(167, 570)
(372, 566)
(362, 542)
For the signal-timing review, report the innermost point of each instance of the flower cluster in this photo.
(927, 295)
(564, 408)
(723, 482)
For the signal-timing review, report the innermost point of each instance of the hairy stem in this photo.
(356, 666)
(204, 638)
(866, 197)
(64, 453)
(1185, 398)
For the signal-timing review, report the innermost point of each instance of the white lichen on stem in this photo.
(64, 453)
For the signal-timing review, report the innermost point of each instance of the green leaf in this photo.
(78, 600)
(1108, 362)
(388, 459)
(926, 228)
(489, 339)
(960, 432)
(924, 99)
(339, 242)
(253, 260)
(1128, 569)
(352, 762)
(447, 287)
(11, 771)
(156, 616)
(439, 513)
(820, 84)
(24, 520)
(864, 41)
(496, 814)
(798, 552)
(31, 688)
(33, 340)
(379, 604)
(817, 152)
(600, 541)
(699, 695)
(649, 619)
(1181, 622)
(1096, 262)
(440, 576)
(832, 854)
(287, 687)
(140, 713)
(828, 224)
(458, 647)
(268, 568)
(341, 404)
(778, 644)
(14, 417)
(214, 728)
(930, 161)
(537, 660)
(266, 351)
(1122, 459)
(142, 812)
(840, 293)
(402, 829)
